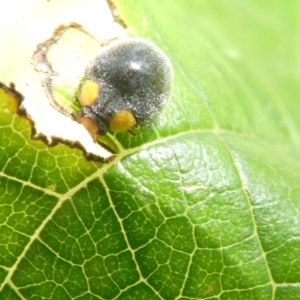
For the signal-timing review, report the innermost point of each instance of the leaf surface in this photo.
(205, 204)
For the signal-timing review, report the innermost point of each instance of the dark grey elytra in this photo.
(134, 74)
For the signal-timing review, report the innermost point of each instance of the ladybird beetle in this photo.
(126, 85)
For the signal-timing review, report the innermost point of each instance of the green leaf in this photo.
(205, 204)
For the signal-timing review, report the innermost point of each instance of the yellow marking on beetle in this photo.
(122, 121)
(89, 92)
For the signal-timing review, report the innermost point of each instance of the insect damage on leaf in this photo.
(126, 83)
(61, 61)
